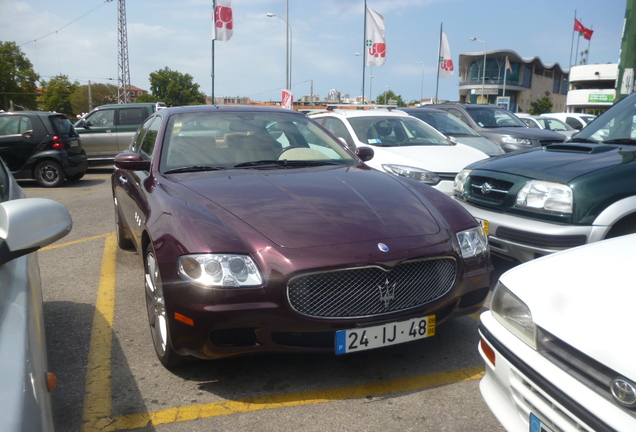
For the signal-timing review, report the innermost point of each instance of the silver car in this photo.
(26, 225)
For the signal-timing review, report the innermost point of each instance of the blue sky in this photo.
(78, 38)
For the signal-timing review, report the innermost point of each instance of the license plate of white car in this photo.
(537, 425)
(360, 339)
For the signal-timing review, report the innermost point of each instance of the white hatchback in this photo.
(403, 145)
(558, 342)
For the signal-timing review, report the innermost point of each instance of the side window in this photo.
(460, 115)
(150, 138)
(130, 116)
(337, 128)
(574, 123)
(101, 118)
(14, 125)
(135, 145)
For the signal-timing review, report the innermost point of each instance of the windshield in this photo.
(494, 118)
(616, 125)
(444, 122)
(394, 131)
(554, 124)
(212, 140)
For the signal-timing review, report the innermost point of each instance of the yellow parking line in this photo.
(97, 416)
(55, 246)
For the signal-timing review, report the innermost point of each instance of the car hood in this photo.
(435, 158)
(560, 163)
(523, 132)
(566, 291)
(478, 142)
(309, 207)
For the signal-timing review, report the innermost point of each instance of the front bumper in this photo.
(524, 239)
(522, 382)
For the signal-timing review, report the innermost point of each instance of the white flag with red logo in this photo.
(446, 67)
(222, 20)
(375, 44)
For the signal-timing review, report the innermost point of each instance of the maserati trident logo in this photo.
(387, 293)
(624, 392)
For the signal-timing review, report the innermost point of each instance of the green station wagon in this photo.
(108, 129)
(562, 195)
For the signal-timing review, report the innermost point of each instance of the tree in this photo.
(101, 94)
(540, 106)
(17, 78)
(175, 88)
(147, 98)
(56, 94)
(389, 95)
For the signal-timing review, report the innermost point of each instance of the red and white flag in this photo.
(446, 67)
(222, 20)
(584, 31)
(374, 39)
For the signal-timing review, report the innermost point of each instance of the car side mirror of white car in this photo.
(29, 224)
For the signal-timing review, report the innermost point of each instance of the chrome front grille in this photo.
(368, 291)
(488, 188)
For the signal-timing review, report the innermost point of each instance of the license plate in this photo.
(348, 341)
(537, 425)
(484, 225)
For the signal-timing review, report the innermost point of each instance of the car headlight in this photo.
(414, 173)
(548, 196)
(460, 181)
(220, 270)
(513, 314)
(507, 139)
(472, 242)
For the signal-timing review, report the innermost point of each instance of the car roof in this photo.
(377, 112)
(33, 113)
(226, 108)
(422, 109)
(472, 106)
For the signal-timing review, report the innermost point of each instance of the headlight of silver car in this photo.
(460, 181)
(220, 270)
(547, 196)
(414, 173)
(507, 139)
(513, 314)
(472, 242)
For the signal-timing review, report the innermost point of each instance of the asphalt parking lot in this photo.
(109, 378)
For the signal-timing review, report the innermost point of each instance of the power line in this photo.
(63, 27)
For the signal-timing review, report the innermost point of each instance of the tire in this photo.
(76, 177)
(157, 316)
(124, 240)
(49, 174)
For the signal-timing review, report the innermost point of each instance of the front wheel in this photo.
(157, 316)
(49, 174)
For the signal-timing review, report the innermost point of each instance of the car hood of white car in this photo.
(435, 158)
(585, 296)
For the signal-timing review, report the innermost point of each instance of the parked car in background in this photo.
(576, 120)
(403, 145)
(455, 129)
(563, 195)
(41, 145)
(261, 232)
(548, 367)
(501, 126)
(549, 123)
(26, 225)
(108, 129)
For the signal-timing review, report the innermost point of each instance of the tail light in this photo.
(58, 144)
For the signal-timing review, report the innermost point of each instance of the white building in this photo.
(592, 87)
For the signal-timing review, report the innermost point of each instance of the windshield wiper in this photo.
(259, 163)
(193, 168)
(621, 141)
(584, 140)
(284, 163)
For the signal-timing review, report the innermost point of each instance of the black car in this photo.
(501, 126)
(41, 145)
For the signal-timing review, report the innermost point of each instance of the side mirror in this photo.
(131, 162)
(365, 153)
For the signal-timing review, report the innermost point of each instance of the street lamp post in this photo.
(422, 85)
(483, 79)
(288, 50)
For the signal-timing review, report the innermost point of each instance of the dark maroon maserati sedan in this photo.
(261, 232)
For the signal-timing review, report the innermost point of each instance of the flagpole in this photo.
(572, 43)
(576, 54)
(589, 41)
(439, 53)
(213, 29)
(364, 47)
(503, 92)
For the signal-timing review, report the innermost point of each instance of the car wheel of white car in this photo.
(157, 317)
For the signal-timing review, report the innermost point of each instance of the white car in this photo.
(576, 120)
(550, 123)
(402, 144)
(558, 342)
